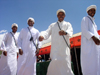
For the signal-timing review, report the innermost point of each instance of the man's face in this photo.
(91, 12)
(30, 23)
(14, 29)
(61, 16)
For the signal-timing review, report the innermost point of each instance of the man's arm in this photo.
(3, 44)
(96, 40)
(87, 33)
(84, 28)
(39, 44)
(68, 31)
(20, 42)
(45, 34)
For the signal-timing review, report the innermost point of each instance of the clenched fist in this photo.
(62, 32)
(5, 53)
(41, 38)
(37, 51)
(20, 51)
(96, 40)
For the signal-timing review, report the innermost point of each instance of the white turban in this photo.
(61, 10)
(14, 24)
(90, 7)
(30, 18)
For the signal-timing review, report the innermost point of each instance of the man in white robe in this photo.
(60, 53)
(8, 61)
(89, 43)
(27, 45)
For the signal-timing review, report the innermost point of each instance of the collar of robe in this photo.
(13, 33)
(60, 22)
(30, 27)
(91, 17)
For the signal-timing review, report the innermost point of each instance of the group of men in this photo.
(27, 44)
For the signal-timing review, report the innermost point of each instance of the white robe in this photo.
(8, 64)
(27, 61)
(60, 53)
(89, 50)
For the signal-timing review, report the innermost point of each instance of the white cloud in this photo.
(3, 31)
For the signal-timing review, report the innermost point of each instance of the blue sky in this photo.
(44, 13)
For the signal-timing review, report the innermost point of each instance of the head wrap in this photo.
(39, 56)
(61, 10)
(30, 18)
(14, 24)
(90, 7)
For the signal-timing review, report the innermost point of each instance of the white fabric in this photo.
(14, 24)
(60, 53)
(99, 61)
(4, 69)
(8, 64)
(30, 18)
(90, 7)
(61, 10)
(89, 50)
(27, 61)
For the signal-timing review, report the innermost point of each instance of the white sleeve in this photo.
(17, 42)
(84, 28)
(17, 50)
(3, 48)
(69, 30)
(20, 39)
(38, 42)
(3, 44)
(46, 33)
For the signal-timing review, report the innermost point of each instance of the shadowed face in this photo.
(30, 22)
(91, 12)
(14, 29)
(61, 16)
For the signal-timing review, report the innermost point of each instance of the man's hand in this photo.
(41, 38)
(37, 51)
(5, 53)
(96, 40)
(62, 32)
(20, 51)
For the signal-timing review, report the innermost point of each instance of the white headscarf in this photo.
(14, 24)
(30, 18)
(90, 7)
(61, 10)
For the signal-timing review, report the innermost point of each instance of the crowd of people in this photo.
(27, 44)
(43, 58)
